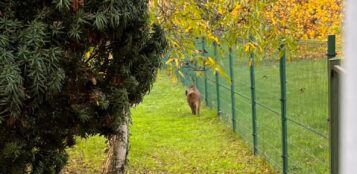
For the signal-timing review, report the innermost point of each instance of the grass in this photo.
(306, 110)
(87, 156)
(166, 138)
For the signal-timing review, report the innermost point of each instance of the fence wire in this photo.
(307, 103)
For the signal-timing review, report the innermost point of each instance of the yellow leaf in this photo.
(188, 29)
(210, 61)
(177, 62)
(181, 74)
(220, 10)
(89, 52)
(247, 48)
(212, 37)
(169, 61)
(222, 73)
(235, 11)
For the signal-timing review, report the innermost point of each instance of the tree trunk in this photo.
(118, 150)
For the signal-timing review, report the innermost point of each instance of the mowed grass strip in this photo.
(167, 138)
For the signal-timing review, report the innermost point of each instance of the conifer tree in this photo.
(70, 68)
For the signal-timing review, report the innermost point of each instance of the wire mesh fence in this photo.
(308, 111)
(253, 102)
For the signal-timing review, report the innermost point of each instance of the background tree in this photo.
(70, 68)
(313, 19)
(271, 23)
(220, 21)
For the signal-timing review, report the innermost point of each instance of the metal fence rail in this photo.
(279, 106)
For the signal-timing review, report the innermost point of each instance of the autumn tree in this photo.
(269, 23)
(220, 21)
(312, 19)
(70, 68)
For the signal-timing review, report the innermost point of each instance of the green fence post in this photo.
(205, 71)
(254, 116)
(232, 89)
(192, 75)
(185, 77)
(283, 111)
(217, 80)
(333, 88)
(196, 77)
(195, 67)
(194, 71)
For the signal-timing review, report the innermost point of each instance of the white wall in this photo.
(348, 146)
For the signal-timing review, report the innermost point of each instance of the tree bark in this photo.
(118, 150)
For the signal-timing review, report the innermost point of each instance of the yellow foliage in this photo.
(212, 37)
(311, 19)
(169, 61)
(249, 47)
(210, 61)
(228, 20)
(235, 11)
(89, 52)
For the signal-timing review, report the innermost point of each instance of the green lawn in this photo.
(166, 138)
(87, 156)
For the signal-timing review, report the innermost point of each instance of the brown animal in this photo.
(194, 99)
